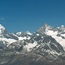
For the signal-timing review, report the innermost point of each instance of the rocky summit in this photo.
(44, 47)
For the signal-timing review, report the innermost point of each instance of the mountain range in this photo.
(44, 47)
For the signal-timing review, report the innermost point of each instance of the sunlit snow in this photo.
(30, 46)
(53, 34)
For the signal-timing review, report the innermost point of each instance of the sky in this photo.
(30, 15)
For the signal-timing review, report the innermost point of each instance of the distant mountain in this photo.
(44, 47)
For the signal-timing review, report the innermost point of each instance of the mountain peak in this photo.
(44, 28)
(29, 33)
(2, 29)
(46, 25)
(62, 26)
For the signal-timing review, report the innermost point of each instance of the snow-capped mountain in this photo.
(5, 36)
(57, 33)
(44, 47)
(23, 36)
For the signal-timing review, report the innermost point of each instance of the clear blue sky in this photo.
(23, 15)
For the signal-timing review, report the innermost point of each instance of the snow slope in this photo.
(54, 34)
